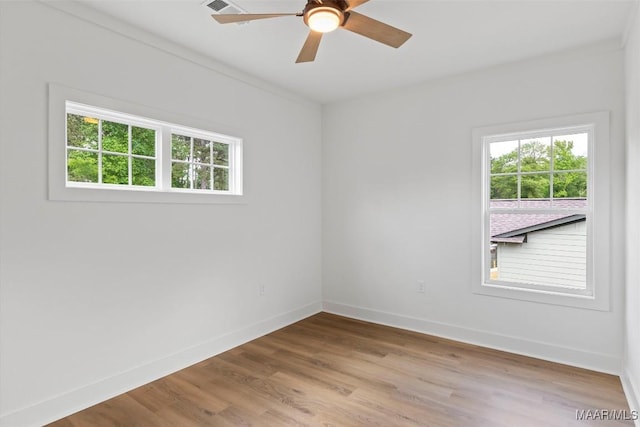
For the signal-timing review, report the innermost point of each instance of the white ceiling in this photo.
(449, 37)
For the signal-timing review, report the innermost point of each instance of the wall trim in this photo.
(632, 392)
(540, 350)
(83, 397)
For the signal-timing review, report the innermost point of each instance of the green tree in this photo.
(180, 151)
(195, 166)
(83, 152)
(535, 156)
(569, 177)
(128, 155)
(82, 135)
(507, 163)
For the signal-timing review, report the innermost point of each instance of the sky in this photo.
(580, 143)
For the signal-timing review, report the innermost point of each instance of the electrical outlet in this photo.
(421, 287)
(261, 289)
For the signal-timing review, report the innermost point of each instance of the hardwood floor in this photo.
(328, 370)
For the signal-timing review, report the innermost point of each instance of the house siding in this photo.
(553, 256)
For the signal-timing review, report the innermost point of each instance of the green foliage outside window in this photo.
(122, 154)
(195, 162)
(569, 172)
(103, 151)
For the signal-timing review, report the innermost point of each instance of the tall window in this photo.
(112, 150)
(542, 196)
(537, 209)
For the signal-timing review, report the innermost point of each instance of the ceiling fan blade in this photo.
(352, 4)
(310, 47)
(375, 30)
(243, 17)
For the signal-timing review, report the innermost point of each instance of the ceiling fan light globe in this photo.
(324, 20)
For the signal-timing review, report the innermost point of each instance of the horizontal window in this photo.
(107, 149)
(103, 149)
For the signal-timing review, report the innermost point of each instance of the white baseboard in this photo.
(540, 350)
(632, 391)
(75, 400)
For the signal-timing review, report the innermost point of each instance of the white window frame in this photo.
(63, 99)
(597, 294)
(197, 134)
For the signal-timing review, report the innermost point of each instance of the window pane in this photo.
(143, 141)
(180, 148)
(494, 273)
(143, 172)
(220, 154)
(570, 184)
(504, 156)
(504, 187)
(201, 151)
(82, 131)
(180, 175)
(535, 186)
(115, 169)
(570, 152)
(115, 137)
(82, 166)
(201, 177)
(221, 179)
(535, 154)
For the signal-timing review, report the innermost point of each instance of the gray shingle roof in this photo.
(507, 226)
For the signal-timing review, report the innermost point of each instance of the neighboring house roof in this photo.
(512, 228)
(540, 203)
(516, 239)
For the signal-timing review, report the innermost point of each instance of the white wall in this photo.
(96, 298)
(397, 191)
(631, 374)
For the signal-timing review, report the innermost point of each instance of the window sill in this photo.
(543, 297)
(79, 194)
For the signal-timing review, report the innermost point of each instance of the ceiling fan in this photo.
(323, 16)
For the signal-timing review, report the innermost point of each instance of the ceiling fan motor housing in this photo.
(337, 7)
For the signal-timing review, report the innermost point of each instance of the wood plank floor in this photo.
(328, 370)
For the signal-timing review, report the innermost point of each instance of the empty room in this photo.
(319, 213)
